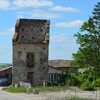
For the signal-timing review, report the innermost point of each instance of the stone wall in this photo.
(32, 30)
(30, 55)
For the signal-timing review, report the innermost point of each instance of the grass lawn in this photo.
(15, 90)
(50, 88)
(40, 89)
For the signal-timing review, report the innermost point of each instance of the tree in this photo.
(88, 54)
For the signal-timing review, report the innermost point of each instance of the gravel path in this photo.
(49, 96)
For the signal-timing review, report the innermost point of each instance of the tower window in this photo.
(33, 37)
(31, 29)
(22, 36)
(22, 29)
(30, 59)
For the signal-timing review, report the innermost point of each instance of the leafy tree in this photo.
(88, 37)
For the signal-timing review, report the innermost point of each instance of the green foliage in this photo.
(69, 79)
(62, 79)
(88, 80)
(15, 90)
(73, 79)
(88, 37)
(40, 89)
(96, 82)
(87, 86)
(53, 84)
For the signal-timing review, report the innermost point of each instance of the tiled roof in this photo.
(59, 63)
(5, 68)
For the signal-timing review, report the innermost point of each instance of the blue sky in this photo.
(66, 17)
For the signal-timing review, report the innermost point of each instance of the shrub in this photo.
(62, 79)
(52, 84)
(96, 83)
(74, 80)
(87, 86)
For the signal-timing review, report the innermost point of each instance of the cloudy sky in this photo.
(66, 17)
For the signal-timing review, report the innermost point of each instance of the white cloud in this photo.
(44, 14)
(4, 4)
(71, 24)
(41, 14)
(65, 9)
(14, 4)
(31, 3)
(20, 16)
(8, 31)
(62, 46)
(58, 38)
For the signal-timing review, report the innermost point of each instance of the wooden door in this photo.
(30, 76)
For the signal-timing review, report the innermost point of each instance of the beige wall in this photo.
(40, 68)
(53, 70)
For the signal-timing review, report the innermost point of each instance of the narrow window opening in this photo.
(31, 29)
(30, 59)
(22, 29)
(33, 37)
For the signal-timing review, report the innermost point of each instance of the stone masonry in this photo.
(30, 51)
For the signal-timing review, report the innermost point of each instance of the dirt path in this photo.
(49, 95)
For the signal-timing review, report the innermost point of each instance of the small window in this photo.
(41, 30)
(22, 36)
(7, 75)
(33, 37)
(52, 77)
(44, 48)
(30, 59)
(31, 29)
(22, 29)
(44, 68)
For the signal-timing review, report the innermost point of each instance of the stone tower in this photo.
(30, 51)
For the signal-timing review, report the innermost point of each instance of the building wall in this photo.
(30, 51)
(69, 69)
(54, 70)
(6, 73)
(53, 74)
(40, 67)
(32, 31)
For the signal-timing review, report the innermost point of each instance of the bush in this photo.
(87, 86)
(96, 83)
(74, 80)
(62, 79)
(52, 84)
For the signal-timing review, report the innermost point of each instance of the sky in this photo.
(66, 18)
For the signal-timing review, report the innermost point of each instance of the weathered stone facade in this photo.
(30, 51)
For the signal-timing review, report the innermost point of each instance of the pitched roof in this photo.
(59, 63)
(5, 68)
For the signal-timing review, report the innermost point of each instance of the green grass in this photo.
(50, 89)
(40, 89)
(15, 90)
